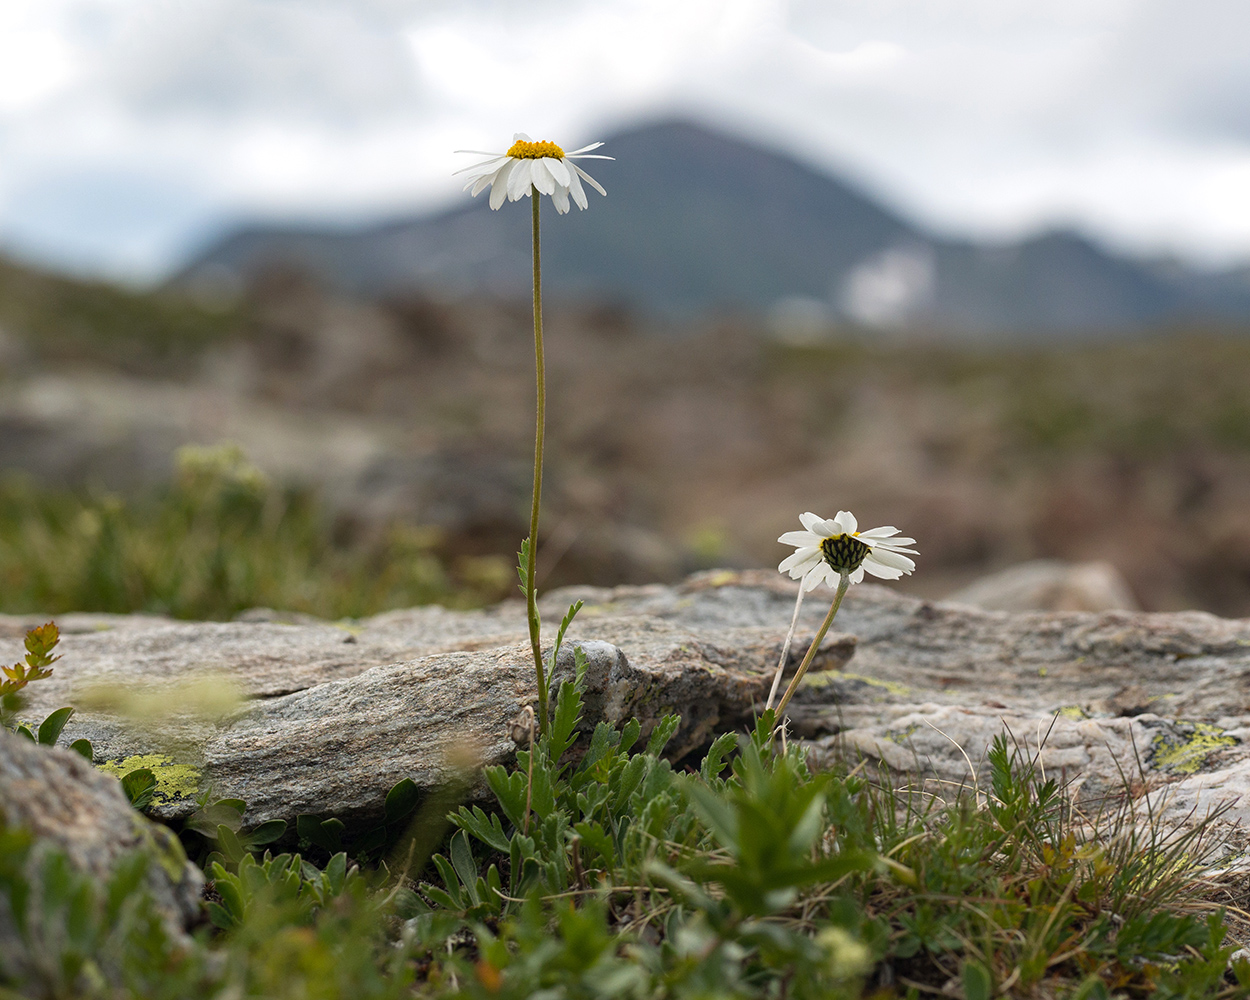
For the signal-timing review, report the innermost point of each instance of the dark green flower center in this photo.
(844, 552)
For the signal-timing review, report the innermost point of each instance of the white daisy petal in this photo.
(541, 177)
(892, 559)
(857, 576)
(814, 578)
(521, 179)
(881, 572)
(800, 557)
(481, 152)
(575, 189)
(588, 179)
(521, 137)
(893, 549)
(481, 184)
(558, 170)
(812, 522)
(587, 156)
(802, 539)
(560, 198)
(486, 166)
(499, 187)
(846, 522)
(584, 149)
(885, 532)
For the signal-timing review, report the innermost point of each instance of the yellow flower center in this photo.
(535, 150)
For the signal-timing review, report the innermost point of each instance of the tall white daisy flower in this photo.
(529, 169)
(835, 552)
(528, 166)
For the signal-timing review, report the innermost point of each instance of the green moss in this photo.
(173, 781)
(1073, 712)
(828, 677)
(1186, 750)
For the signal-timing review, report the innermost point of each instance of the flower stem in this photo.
(531, 598)
(811, 650)
(785, 650)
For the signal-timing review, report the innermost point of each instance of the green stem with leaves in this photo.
(531, 553)
(843, 584)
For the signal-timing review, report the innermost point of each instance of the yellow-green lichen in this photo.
(899, 735)
(1042, 671)
(1073, 712)
(825, 678)
(1186, 750)
(173, 781)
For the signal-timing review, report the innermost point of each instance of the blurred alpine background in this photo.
(978, 270)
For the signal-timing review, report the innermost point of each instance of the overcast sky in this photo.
(130, 130)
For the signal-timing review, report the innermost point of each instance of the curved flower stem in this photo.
(531, 597)
(785, 650)
(811, 650)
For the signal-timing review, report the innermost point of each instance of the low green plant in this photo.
(37, 666)
(220, 539)
(604, 872)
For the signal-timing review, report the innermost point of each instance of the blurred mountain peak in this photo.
(699, 221)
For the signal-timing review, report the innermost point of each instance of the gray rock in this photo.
(70, 807)
(1050, 585)
(333, 715)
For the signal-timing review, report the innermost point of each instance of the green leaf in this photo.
(510, 788)
(336, 873)
(229, 844)
(568, 713)
(978, 985)
(450, 880)
(50, 730)
(664, 731)
(715, 762)
(325, 834)
(602, 742)
(139, 786)
(23, 730)
(83, 747)
(809, 826)
(401, 800)
(462, 859)
(522, 565)
(565, 622)
(716, 811)
(266, 833)
(629, 736)
(486, 828)
(231, 893)
(596, 838)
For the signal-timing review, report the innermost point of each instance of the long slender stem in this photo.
(785, 650)
(540, 369)
(811, 650)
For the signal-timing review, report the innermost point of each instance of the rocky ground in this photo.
(328, 716)
(674, 450)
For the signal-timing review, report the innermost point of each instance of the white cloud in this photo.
(128, 126)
